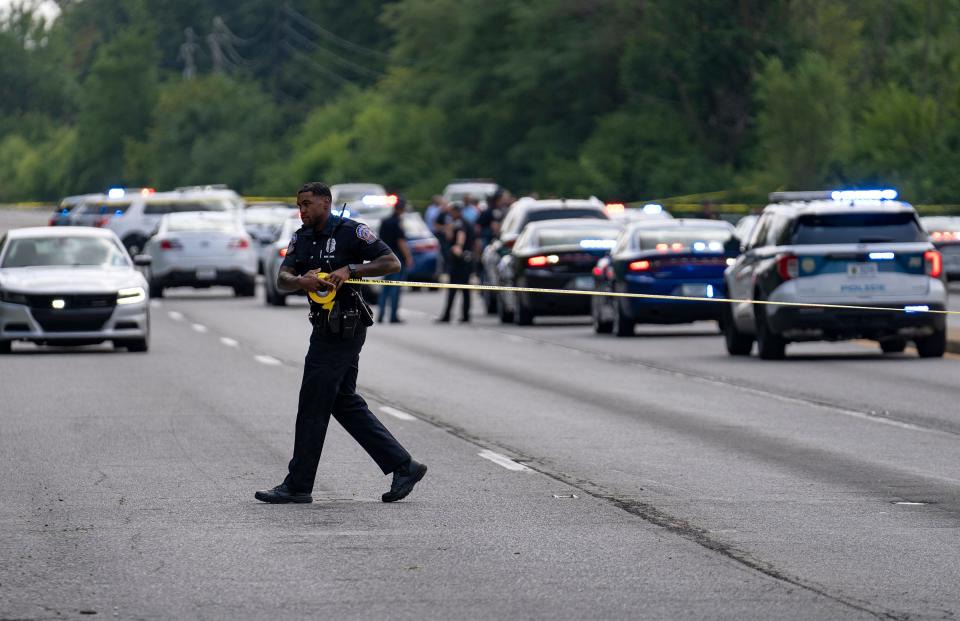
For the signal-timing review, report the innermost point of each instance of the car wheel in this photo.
(622, 323)
(6, 347)
(738, 343)
(770, 346)
(599, 325)
(505, 314)
(134, 244)
(933, 346)
(246, 289)
(523, 315)
(893, 346)
(133, 345)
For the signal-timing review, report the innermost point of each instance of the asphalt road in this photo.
(650, 477)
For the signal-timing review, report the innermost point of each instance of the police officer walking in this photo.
(327, 251)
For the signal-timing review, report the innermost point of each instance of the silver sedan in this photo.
(71, 286)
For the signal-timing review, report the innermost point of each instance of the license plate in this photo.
(862, 270)
(696, 291)
(206, 274)
(584, 283)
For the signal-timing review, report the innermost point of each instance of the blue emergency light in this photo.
(864, 195)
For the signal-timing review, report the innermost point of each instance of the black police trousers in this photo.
(330, 387)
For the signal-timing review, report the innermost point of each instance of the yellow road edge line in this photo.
(643, 296)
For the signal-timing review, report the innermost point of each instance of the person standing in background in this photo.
(463, 253)
(391, 233)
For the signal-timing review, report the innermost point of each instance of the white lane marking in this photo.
(199, 327)
(912, 504)
(268, 360)
(397, 413)
(176, 316)
(502, 460)
(155, 304)
(229, 342)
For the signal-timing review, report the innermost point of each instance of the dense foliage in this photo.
(619, 98)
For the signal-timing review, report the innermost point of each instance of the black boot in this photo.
(281, 494)
(404, 478)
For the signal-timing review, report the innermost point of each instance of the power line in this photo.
(331, 36)
(304, 57)
(344, 62)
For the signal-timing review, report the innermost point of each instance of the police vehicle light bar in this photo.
(116, 193)
(887, 194)
(864, 195)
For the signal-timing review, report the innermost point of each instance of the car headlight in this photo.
(13, 298)
(131, 295)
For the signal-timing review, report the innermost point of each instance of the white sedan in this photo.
(71, 286)
(202, 249)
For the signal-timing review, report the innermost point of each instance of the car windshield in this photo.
(941, 223)
(701, 239)
(271, 215)
(104, 208)
(479, 191)
(857, 228)
(156, 208)
(557, 214)
(355, 194)
(587, 238)
(64, 251)
(201, 224)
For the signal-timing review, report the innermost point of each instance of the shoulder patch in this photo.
(364, 233)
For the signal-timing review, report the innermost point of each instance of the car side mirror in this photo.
(143, 260)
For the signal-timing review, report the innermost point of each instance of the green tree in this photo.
(115, 108)
(803, 123)
(209, 130)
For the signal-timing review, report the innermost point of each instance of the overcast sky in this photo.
(48, 8)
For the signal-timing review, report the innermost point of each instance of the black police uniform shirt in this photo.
(341, 242)
(391, 232)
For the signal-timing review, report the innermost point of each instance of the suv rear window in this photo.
(156, 208)
(558, 214)
(857, 228)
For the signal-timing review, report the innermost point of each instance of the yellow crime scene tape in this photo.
(327, 299)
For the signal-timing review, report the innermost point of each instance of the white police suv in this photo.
(852, 248)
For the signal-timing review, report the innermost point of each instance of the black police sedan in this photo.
(553, 254)
(684, 257)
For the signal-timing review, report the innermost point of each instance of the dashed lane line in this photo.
(267, 360)
(503, 460)
(175, 315)
(397, 413)
(229, 342)
(199, 327)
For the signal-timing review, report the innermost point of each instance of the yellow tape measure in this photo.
(326, 301)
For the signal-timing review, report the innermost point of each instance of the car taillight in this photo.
(640, 266)
(539, 261)
(788, 266)
(597, 271)
(944, 236)
(238, 244)
(283, 252)
(933, 261)
(53, 221)
(170, 244)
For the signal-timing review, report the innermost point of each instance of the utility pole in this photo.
(188, 53)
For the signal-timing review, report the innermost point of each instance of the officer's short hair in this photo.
(317, 188)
